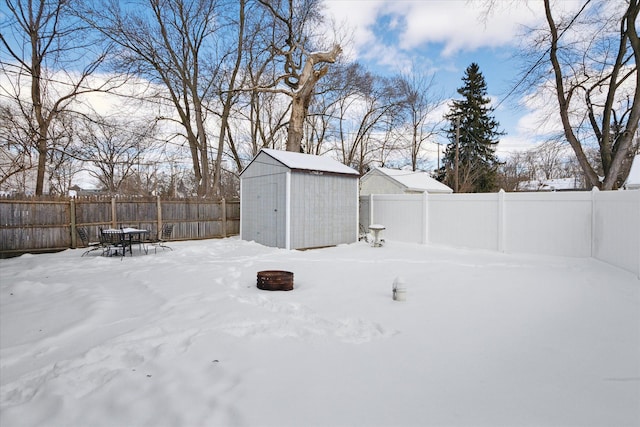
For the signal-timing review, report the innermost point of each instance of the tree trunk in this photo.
(228, 101)
(563, 103)
(304, 93)
(296, 122)
(624, 143)
(36, 99)
(612, 153)
(203, 186)
(195, 159)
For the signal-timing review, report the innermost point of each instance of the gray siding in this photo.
(264, 165)
(378, 183)
(263, 202)
(323, 206)
(323, 209)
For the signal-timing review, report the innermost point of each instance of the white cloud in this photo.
(357, 15)
(457, 25)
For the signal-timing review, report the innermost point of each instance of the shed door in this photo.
(267, 217)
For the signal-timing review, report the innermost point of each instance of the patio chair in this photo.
(86, 242)
(111, 242)
(138, 239)
(167, 230)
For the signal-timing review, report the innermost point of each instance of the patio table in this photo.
(126, 237)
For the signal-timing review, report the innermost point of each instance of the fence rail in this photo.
(39, 225)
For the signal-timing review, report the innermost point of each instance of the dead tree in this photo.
(302, 69)
(303, 93)
(45, 43)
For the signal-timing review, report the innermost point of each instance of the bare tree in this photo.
(64, 161)
(323, 116)
(419, 102)
(17, 153)
(15, 149)
(512, 171)
(320, 119)
(367, 120)
(62, 172)
(594, 54)
(167, 42)
(549, 159)
(303, 66)
(115, 148)
(228, 97)
(256, 115)
(552, 159)
(51, 57)
(267, 117)
(264, 112)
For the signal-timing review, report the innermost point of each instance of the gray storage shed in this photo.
(298, 201)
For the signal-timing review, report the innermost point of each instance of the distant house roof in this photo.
(76, 190)
(557, 184)
(300, 161)
(415, 181)
(633, 180)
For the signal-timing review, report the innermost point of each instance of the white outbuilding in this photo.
(298, 201)
(633, 180)
(395, 181)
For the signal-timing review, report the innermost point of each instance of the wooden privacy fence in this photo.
(39, 225)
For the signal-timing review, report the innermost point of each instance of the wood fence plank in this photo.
(37, 225)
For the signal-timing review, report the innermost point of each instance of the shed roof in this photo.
(300, 161)
(414, 180)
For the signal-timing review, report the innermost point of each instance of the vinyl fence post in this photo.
(425, 218)
(358, 199)
(501, 221)
(241, 214)
(371, 209)
(594, 230)
(638, 206)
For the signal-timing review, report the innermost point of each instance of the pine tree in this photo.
(477, 136)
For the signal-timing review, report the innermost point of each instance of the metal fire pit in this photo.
(275, 280)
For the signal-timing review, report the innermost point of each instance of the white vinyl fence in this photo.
(601, 224)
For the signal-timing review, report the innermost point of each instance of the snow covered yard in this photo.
(184, 338)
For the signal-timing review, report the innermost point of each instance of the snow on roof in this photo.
(556, 184)
(309, 162)
(416, 180)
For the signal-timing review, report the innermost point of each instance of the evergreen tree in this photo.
(477, 136)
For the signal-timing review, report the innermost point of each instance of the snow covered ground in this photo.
(184, 338)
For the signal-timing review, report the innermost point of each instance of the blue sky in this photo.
(443, 37)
